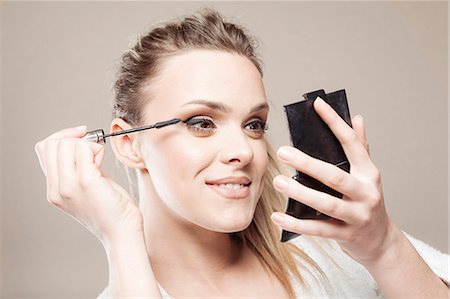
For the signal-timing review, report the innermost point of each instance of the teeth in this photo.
(232, 186)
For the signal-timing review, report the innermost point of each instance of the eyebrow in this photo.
(224, 108)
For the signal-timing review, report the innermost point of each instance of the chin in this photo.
(233, 225)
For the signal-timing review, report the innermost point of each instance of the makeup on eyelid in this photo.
(206, 125)
(99, 135)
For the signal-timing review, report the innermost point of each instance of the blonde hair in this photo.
(207, 30)
(263, 238)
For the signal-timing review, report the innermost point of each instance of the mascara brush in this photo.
(99, 135)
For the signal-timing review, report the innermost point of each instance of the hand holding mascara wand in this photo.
(99, 135)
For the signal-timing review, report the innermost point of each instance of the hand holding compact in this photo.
(77, 185)
(360, 224)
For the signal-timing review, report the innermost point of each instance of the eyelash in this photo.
(197, 124)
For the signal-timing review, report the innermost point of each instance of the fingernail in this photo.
(285, 153)
(277, 218)
(81, 128)
(320, 101)
(280, 182)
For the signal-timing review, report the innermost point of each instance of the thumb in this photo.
(99, 152)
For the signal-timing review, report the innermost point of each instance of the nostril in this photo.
(235, 160)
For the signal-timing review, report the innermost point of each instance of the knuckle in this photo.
(331, 208)
(365, 218)
(333, 119)
(302, 162)
(376, 204)
(337, 179)
(85, 182)
(375, 175)
(374, 198)
(65, 192)
(54, 198)
(349, 137)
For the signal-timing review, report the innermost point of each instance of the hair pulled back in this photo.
(204, 30)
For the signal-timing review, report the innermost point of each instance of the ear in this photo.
(126, 147)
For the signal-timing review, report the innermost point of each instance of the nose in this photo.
(236, 149)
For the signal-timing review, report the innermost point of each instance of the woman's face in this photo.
(207, 171)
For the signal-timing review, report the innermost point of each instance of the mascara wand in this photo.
(99, 135)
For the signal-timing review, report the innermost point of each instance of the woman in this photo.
(209, 191)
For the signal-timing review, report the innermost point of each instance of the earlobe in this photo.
(126, 147)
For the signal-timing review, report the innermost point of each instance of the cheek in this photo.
(261, 158)
(183, 155)
(174, 160)
(261, 163)
(198, 154)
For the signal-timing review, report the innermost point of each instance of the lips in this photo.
(236, 187)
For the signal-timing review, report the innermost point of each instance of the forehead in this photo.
(207, 75)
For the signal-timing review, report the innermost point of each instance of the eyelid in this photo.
(197, 119)
(258, 119)
(201, 111)
(195, 125)
(204, 123)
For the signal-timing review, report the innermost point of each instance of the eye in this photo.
(256, 128)
(201, 125)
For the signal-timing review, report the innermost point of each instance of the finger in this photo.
(66, 167)
(330, 228)
(354, 150)
(87, 169)
(39, 149)
(99, 153)
(50, 158)
(75, 132)
(320, 201)
(358, 126)
(327, 173)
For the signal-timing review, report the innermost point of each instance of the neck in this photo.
(190, 260)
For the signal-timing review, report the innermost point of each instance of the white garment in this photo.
(346, 277)
(349, 279)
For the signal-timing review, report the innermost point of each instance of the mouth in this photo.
(231, 187)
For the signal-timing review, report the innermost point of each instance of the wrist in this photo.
(125, 240)
(122, 233)
(400, 271)
(130, 271)
(389, 249)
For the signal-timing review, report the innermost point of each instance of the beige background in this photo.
(57, 68)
